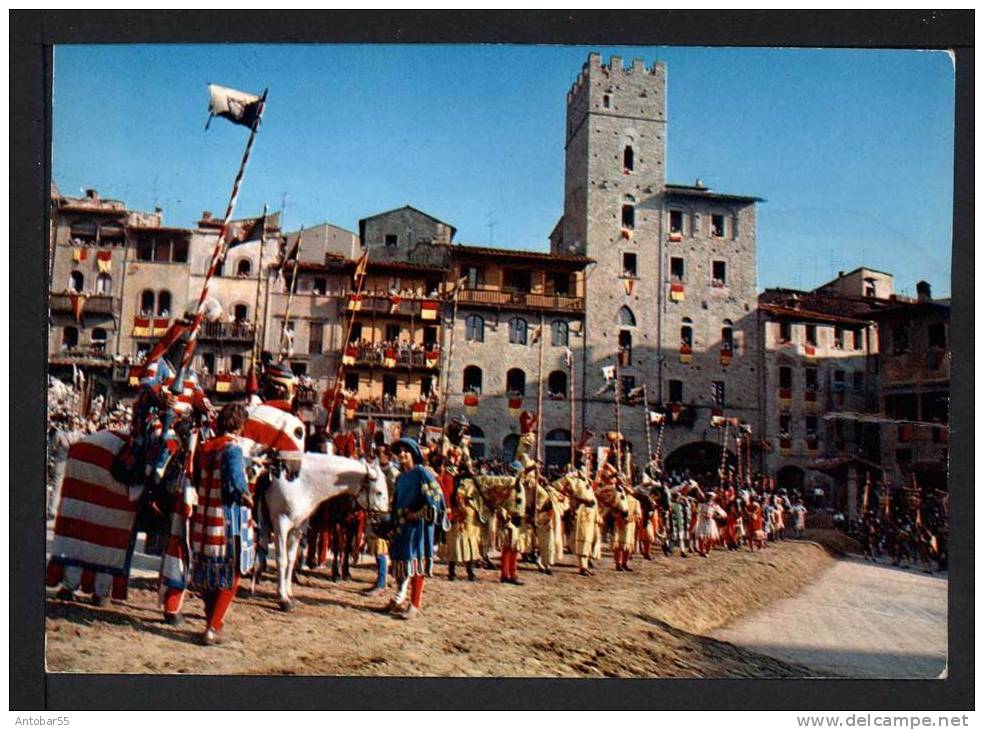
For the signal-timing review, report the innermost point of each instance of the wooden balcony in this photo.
(375, 356)
(95, 304)
(223, 384)
(502, 299)
(228, 331)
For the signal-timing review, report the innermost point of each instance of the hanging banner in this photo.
(389, 358)
(725, 357)
(686, 353)
(676, 292)
(515, 407)
(419, 411)
(79, 254)
(428, 310)
(392, 430)
(395, 300)
(351, 405)
(471, 404)
(431, 358)
(354, 302)
(350, 354)
(223, 383)
(104, 261)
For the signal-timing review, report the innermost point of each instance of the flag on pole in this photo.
(568, 357)
(536, 335)
(655, 418)
(361, 265)
(239, 107)
(633, 397)
(250, 229)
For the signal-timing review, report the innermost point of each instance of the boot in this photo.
(471, 571)
(451, 575)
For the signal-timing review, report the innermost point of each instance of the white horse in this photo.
(292, 498)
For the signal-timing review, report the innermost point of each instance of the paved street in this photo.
(858, 619)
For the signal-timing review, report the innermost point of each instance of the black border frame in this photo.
(32, 34)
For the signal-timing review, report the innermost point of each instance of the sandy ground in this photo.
(654, 622)
(866, 620)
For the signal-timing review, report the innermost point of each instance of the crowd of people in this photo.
(446, 507)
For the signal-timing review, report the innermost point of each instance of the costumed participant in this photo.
(585, 506)
(624, 532)
(464, 538)
(680, 523)
(753, 520)
(778, 521)
(708, 513)
(530, 479)
(381, 531)
(799, 518)
(511, 513)
(418, 506)
(551, 504)
(222, 522)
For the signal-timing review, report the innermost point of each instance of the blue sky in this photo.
(852, 149)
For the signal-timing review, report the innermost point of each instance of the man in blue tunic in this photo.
(418, 505)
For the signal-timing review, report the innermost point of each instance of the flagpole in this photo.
(218, 253)
(340, 370)
(649, 430)
(290, 295)
(618, 412)
(447, 371)
(256, 307)
(539, 399)
(570, 377)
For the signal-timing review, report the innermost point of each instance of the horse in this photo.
(339, 524)
(96, 516)
(293, 495)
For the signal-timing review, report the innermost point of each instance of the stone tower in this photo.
(668, 258)
(614, 181)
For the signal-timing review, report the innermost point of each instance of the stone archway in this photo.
(701, 459)
(791, 478)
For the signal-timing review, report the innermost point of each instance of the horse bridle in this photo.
(365, 486)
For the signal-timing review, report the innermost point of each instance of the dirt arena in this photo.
(649, 623)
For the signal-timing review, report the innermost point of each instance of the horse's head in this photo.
(373, 495)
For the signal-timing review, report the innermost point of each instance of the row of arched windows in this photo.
(472, 381)
(104, 282)
(70, 339)
(727, 334)
(519, 331)
(557, 445)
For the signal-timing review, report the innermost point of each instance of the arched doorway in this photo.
(791, 478)
(700, 459)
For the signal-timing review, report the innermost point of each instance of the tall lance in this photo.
(618, 410)
(218, 254)
(539, 399)
(569, 354)
(649, 430)
(255, 352)
(331, 396)
(447, 368)
(284, 348)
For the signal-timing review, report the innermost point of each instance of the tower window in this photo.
(606, 101)
(393, 332)
(474, 328)
(785, 425)
(719, 273)
(236, 364)
(315, 336)
(728, 337)
(629, 264)
(559, 333)
(147, 300)
(785, 376)
(243, 267)
(391, 239)
(717, 226)
(163, 303)
(687, 335)
(811, 334)
(472, 381)
(389, 386)
(858, 339)
(70, 338)
(625, 347)
(812, 378)
(557, 385)
(516, 382)
(676, 391)
(517, 331)
(676, 221)
(676, 268)
(717, 393)
(628, 216)
(76, 281)
(628, 159)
